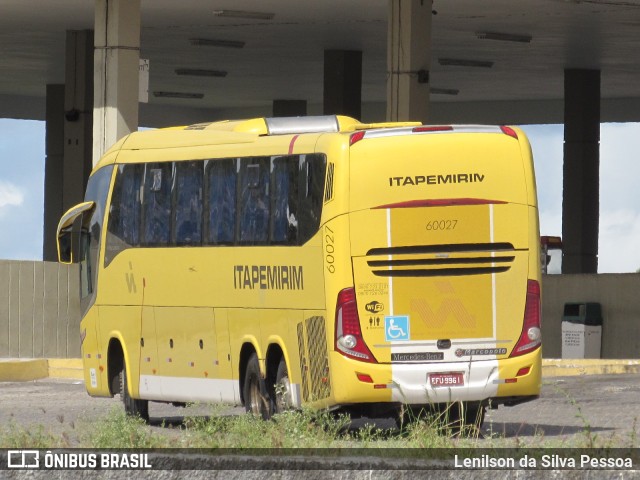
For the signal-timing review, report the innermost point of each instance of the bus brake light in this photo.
(531, 337)
(348, 337)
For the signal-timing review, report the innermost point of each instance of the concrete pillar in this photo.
(580, 196)
(54, 161)
(408, 60)
(289, 108)
(343, 82)
(117, 55)
(78, 115)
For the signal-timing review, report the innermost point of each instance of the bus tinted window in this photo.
(188, 203)
(221, 201)
(284, 218)
(246, 201)
(254, 201)
(125, 211)
(312, 173)
(156, 204)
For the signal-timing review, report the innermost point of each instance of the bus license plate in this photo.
(454, 379)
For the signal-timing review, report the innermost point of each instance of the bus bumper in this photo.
(498, 381)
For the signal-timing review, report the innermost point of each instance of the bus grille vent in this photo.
(314, 361)
(328, 188)
(441, 260)
(303, 363)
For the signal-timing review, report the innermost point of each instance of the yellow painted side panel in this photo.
(223, 335)
(246, 277)
(122, 323)
(186, 342)
(94, 381)
(149, 360)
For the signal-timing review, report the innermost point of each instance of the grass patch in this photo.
(35, 436)
(117, 430)
(304, 429)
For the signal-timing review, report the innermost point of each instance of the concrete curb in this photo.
(23, 369)
(27, 369)
(571, 367)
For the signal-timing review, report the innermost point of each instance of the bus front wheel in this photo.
(256, 399)
(132, 406)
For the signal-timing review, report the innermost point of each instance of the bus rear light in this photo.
(363, 377)
(433, 128)
(531, 336)
(356, 137)
(348, 337)
(509, 131)
(523, 371)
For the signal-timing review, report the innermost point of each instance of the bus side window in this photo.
(312, 173)
(284, 197)
(123, 229)
(156, 204)
(188, 203)
(254, 201)
(221, 201)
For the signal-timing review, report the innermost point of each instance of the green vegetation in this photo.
(15, 436)
(299, 429)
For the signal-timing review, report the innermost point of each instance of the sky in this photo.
(22, 153)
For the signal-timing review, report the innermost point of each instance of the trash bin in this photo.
(581, 330)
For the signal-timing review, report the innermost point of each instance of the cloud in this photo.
(10, 195)
(618, 244)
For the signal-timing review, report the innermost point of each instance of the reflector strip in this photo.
(426, 129)
(293, 141)
(509, 131)
(356, 137)
(441, 202)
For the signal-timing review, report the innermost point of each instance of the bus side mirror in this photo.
(65, 250)
(66, 234)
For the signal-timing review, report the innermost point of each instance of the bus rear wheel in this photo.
(132, 407)
(256, 398)
(283, 395)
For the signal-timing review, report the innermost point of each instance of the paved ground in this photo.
(580, 409)
(576, 408)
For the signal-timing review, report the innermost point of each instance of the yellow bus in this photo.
(311, 261)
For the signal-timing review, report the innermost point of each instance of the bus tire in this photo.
(132, 407)
(256, 398)
(283, 399)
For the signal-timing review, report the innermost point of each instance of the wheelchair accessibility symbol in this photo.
(396, 328)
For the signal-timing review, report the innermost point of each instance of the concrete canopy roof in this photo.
(282, 58)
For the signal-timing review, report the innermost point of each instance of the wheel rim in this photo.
(283, 395)
(255, 397)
